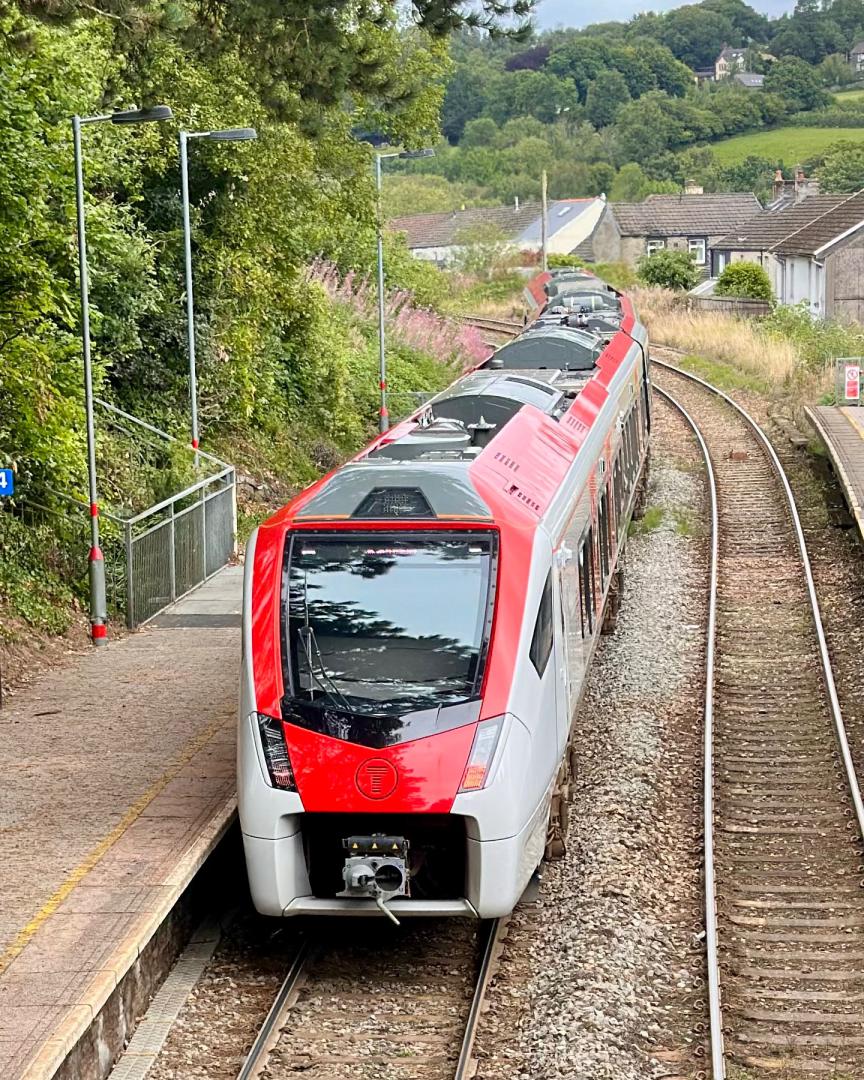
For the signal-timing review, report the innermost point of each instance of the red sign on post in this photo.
(853, 382)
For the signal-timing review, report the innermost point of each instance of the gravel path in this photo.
(601, 978)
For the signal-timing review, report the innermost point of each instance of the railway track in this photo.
(510, 327)
(380, 1008)
(783, 809)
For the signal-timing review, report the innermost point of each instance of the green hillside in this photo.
(787, 144)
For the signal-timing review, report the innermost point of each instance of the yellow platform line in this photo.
(23, 937)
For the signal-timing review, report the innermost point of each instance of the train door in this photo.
(562, 652)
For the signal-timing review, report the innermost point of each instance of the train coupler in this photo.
(376, 869)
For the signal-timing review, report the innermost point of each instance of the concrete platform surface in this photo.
(118, 780)
(842, 432)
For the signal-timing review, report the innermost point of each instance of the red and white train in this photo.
(418, 626)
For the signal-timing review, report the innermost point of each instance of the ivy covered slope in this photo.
(285, 369)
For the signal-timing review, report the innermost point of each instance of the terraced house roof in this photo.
(685, 215)
(440, 230)
(803, 228)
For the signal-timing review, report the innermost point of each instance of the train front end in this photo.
(367, 761)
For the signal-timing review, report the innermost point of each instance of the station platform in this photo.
(841, 429)
(117, 783)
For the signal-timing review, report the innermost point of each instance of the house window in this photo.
(654, 245)
(697, 251)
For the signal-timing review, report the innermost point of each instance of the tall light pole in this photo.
(96, 561)
(225, 135)
(383, 417)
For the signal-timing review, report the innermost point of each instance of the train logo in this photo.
(377, 778)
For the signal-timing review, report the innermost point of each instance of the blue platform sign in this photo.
(7, 482)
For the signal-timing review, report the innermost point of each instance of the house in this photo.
(812, 250)
(691, 221)
(728, 62)
(436, 237)
(856, 57)
(749, 79)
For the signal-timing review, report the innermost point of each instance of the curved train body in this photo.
(417, 629)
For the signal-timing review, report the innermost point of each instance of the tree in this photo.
(605, 97)
(809, 34)
(484, 250)
(481, 132)
(744, 279)
(464, 100)
(797, 83)
(668, 270)
(834, 70)
(749, 24)
(633, 185)
(842, 167)
(695, 34)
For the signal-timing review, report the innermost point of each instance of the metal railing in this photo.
(159, 554)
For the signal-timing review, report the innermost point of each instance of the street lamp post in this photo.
(96, 561)
(383, 416)
(225, 135)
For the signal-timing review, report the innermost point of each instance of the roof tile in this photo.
(685, 215)
(804, 226)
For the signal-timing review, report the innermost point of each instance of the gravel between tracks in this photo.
(600, 979)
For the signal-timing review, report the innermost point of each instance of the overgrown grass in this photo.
(650, 521)
(35, 573)
(789, 144)
(786, 351)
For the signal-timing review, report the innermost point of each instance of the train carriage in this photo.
(417, 630)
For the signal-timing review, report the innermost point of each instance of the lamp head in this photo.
(142, 116)
(238, 134)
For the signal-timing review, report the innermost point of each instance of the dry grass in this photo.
(773, 360)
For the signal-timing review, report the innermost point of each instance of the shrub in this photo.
(668, 270)
(565, 262)
(745, 279)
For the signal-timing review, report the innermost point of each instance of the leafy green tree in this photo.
(849, 16)
(797, 83)
(605, 97)
(668, 270)
(485, 250)
(749, 24)
(695, 34)
(481, 132)
(842, 168)
(464, 100)
(632, 184)
(834, 70)
(744, 279)
(810, 34)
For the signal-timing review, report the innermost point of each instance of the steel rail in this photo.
(269, 1030)
(496, 928)
(827, 671)
(500, 326)
(712, 959)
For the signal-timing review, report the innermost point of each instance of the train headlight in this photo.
(276, 753)
(482, 752)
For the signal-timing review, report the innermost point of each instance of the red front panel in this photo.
(429, 772)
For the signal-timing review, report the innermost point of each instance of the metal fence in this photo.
(178, 543)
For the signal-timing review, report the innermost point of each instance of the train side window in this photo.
(541, 642)
(603, 530)
(586, 582)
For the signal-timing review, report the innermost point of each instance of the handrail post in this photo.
(130, 578)
(234, 512)
(172, 553)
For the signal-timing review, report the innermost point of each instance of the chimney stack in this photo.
(692, 188)
(779, 184)
(516, 203)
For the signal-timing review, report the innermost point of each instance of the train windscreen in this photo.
(384, 625)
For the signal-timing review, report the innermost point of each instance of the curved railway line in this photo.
(367, 1011)
(783, 810)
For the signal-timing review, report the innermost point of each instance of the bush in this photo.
(565, 262)
(668, 270)
(745, 279)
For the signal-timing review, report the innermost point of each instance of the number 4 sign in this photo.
(7, 482)
(853, 382)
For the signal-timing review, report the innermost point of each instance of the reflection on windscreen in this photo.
(386, 624)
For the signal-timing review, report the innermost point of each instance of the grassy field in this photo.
(789, 144)
(844, 96)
